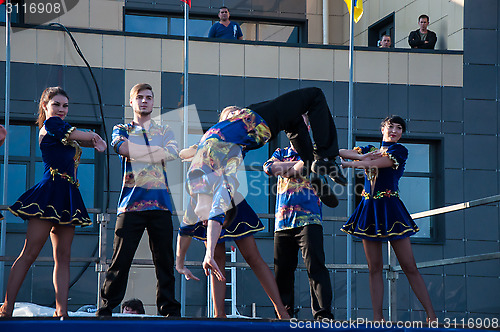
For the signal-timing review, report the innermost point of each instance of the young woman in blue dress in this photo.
(381, 216)
(54, 206)
(239, 223)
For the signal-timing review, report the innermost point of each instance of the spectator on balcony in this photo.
(385, 41)
(422, 37)
(225, 29)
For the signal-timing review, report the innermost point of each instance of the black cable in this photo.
(77, 48)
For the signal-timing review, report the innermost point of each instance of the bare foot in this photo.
(4, 313)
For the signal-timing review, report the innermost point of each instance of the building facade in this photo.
(448, 96)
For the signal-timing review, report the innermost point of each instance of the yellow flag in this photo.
(358, 9)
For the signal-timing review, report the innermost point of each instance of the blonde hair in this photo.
(47, 95)
(138, 88)
(225, 112)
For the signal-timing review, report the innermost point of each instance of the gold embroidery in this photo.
(65, 176)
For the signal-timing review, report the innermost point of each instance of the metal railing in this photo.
(392, 269)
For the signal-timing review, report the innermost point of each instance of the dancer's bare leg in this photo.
(373, 253)
(404, 253)
(250, 253)
(36, 236)
(61, 237)
(218, 286)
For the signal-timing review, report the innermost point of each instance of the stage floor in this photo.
(124, 324)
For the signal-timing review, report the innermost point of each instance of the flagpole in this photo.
(350, 145)
(185, 134)
(3, 231)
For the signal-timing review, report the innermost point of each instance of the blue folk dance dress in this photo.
(213, 172)
(56, 197)
(245, 223)
(381, 215)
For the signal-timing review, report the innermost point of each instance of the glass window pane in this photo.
(257, 188)
(19, 141)
(197, 28)
(418, 157)
(86, 177)
(38, 152)
(249, 31)
(415, 193)
(16, 186)
(146, 24)
(277, 33)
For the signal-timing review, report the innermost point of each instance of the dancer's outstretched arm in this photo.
(209, 265)
(88, 139)
(355, 155)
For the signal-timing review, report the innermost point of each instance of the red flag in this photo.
(186, 1)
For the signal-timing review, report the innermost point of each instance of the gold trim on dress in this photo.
(55, 171)
(380, 194)
(39, 214)
(391, 157)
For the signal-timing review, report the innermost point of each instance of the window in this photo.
(383, 27)
(26, 167)
(418, 188)
(257, 184)
(173, 25)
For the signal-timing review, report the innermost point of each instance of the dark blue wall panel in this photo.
(260, 89)
(424, 102)
(79, 84)
(480, 82)
(232, 91)
(371, 100)
(23, 81)
(171, 90)
(398, 100)
(480, 117)
(481, 14)
(452, 103)
(480, 47)
(204, 91)
(112, 92)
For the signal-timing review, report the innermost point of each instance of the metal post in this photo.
(101, 267)
(326, 25)
(350, 145)
(185, 133)
(392, 277)
(3, 231)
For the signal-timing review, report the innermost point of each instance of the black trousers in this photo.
(309, 239)
(128, 232)
(285, 113)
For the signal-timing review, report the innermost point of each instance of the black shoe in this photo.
(330, 168)
(323, 190)
(103, 312)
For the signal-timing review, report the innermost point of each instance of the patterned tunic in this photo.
(296, 203)
(145, 185)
